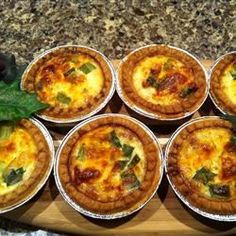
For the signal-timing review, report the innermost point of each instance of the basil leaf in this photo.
(13, 176)
(135, 160)
(127, 150)
(16, 104)
(115, 140)
(5, 130)
(62, 98)
(87, 68)
(204, 175)
(81, 153)
(219, 191)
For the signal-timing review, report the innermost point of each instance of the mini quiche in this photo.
(75, 81)
(110, 165)
(223, 83)
(201, 164)
(162, 81)
(24, 162)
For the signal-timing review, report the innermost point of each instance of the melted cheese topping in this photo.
(206, 148)
(169, 66)
(19, 150)
(55, 78)
(228, 84)
(101, 155)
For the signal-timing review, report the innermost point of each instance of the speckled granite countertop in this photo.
(204, 28)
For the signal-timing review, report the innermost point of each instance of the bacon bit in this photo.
(104, 163)
(230, 147)
(10, 147)
(86, 175)
(228, 168)
(145, 84)
(156, 69)
(207, 148)
(76, 78)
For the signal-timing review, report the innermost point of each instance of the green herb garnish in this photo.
(71, 70)
(219, 191)
(233, 74)
(130, 180)
(115, 140)
(5, 130)
(127, 150)
(81, 153)
(87, 68)
(135, 160)
(62, 98)
(13, 176)
(121, 164)
(152, 82)
(204, 175)
(187, 91)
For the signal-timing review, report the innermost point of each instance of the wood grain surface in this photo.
(164, 214)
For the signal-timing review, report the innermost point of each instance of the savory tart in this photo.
(223, 83)
(73, 80)
(162, 81)
(24, 162)
(110, 165)
(201, 165)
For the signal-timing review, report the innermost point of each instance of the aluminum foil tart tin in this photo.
(227, 218)
(75, 205)
(82, 117)
(151, 114)
(49, 140)
(213, 98)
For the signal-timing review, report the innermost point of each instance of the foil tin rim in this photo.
(153, 115)
(75, 205)
(217, 217)
(49, 141)
(213, 98)
(83, 117)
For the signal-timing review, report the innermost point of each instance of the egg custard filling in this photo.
(108, 168)
(202, 165)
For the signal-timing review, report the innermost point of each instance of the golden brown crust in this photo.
(164, 111)
(26, 188)
(126, 203)
(219, 97)
(189, 189)
(69, 112)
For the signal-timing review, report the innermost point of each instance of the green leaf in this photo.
(115, 140)
(5, 130)
(121, 164)
(219, 191)
(16, 104)
(8, 68)
(129, 180)
(71, 70)
(152, 82)
(87, 68)
(81, 153)
(135, 160)
(233, 74)
(13, 176)
(62, 98)
(204, 175)
(187, 91)
(127, 150)
(231, 119)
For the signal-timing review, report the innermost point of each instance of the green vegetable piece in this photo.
(121, 164)
(152, 82)
(129, 180)
(115, 140)
(233, 74)
(81, 153)
(87, 68)
(231, 119)
(13, 176)
(62, 98)
(187, 91)
(135, 160)
(16, 104)
(219, 191)
(127, 150)
(6, 130)
(71, 70)
(168, 64)
(204, 175)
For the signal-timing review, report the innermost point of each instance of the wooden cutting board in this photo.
(164, 214)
